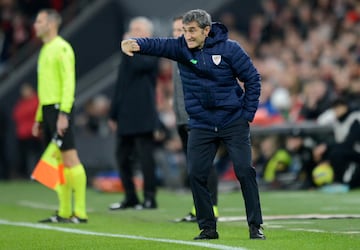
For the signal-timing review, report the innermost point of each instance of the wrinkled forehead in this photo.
(191, 25)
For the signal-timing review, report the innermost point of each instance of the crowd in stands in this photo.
(16, 25)
(308, 55)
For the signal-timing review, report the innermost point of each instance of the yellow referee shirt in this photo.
(56, 76)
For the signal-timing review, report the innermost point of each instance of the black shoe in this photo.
(148, 204)
(77, 220)
(256, 233)
(124, 205)
(189, 218)
(207, 234)
(55, 219)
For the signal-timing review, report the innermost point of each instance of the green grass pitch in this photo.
(23, 203)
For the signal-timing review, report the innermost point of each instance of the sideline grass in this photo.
(27, 202)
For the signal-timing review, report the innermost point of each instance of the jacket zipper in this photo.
(204, 63)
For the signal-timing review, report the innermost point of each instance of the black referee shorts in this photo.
(50, 116)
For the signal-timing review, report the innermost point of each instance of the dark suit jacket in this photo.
(134, 104)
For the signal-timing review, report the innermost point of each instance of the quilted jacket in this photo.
(213, 96)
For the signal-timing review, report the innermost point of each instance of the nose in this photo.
(187, 35)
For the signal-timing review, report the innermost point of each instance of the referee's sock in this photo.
(64, 192)
(215, 209)
(78, 185)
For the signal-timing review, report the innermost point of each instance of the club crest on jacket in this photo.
(216, 59)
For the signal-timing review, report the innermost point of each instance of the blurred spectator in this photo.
(275, 161)
(29, 147)
(20, 32)
(316, 99)
(302, 162)
(134, 116)
(228, 18)
(267, 113)
(353, 95)
(344, 153)
(168, 154)
(95, 117)
(281, 100)
(287, 166)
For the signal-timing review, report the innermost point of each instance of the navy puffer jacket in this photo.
(213, 96)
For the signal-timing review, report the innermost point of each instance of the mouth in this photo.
(190, 42)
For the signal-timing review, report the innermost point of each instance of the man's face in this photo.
(194, 35)
(41, 25)
(177, 28)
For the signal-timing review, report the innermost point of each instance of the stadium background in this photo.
(95, 29)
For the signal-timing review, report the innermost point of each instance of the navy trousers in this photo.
(202, 147)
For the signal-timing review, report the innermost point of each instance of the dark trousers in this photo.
(340, 159)
(140, 146)
(213, 179)
(202, 147)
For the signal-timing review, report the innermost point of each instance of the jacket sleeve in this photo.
(247, 73)
(160, 47)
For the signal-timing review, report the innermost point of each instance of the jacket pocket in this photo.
(231, 100)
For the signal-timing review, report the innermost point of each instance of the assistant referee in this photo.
(56, 90)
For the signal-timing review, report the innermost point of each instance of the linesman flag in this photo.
(49, 170)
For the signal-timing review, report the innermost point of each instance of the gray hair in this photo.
(146, 21)
(200, 16)
(52, 15)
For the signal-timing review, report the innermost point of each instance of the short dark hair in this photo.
(53, 15)
(200, 16)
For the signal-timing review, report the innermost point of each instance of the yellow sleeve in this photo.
(67, 75)
(39, 115)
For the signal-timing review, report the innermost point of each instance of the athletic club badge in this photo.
(216, 59)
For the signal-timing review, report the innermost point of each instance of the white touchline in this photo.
(84, 232)
(277, 226)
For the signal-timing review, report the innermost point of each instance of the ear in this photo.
(207, 30)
